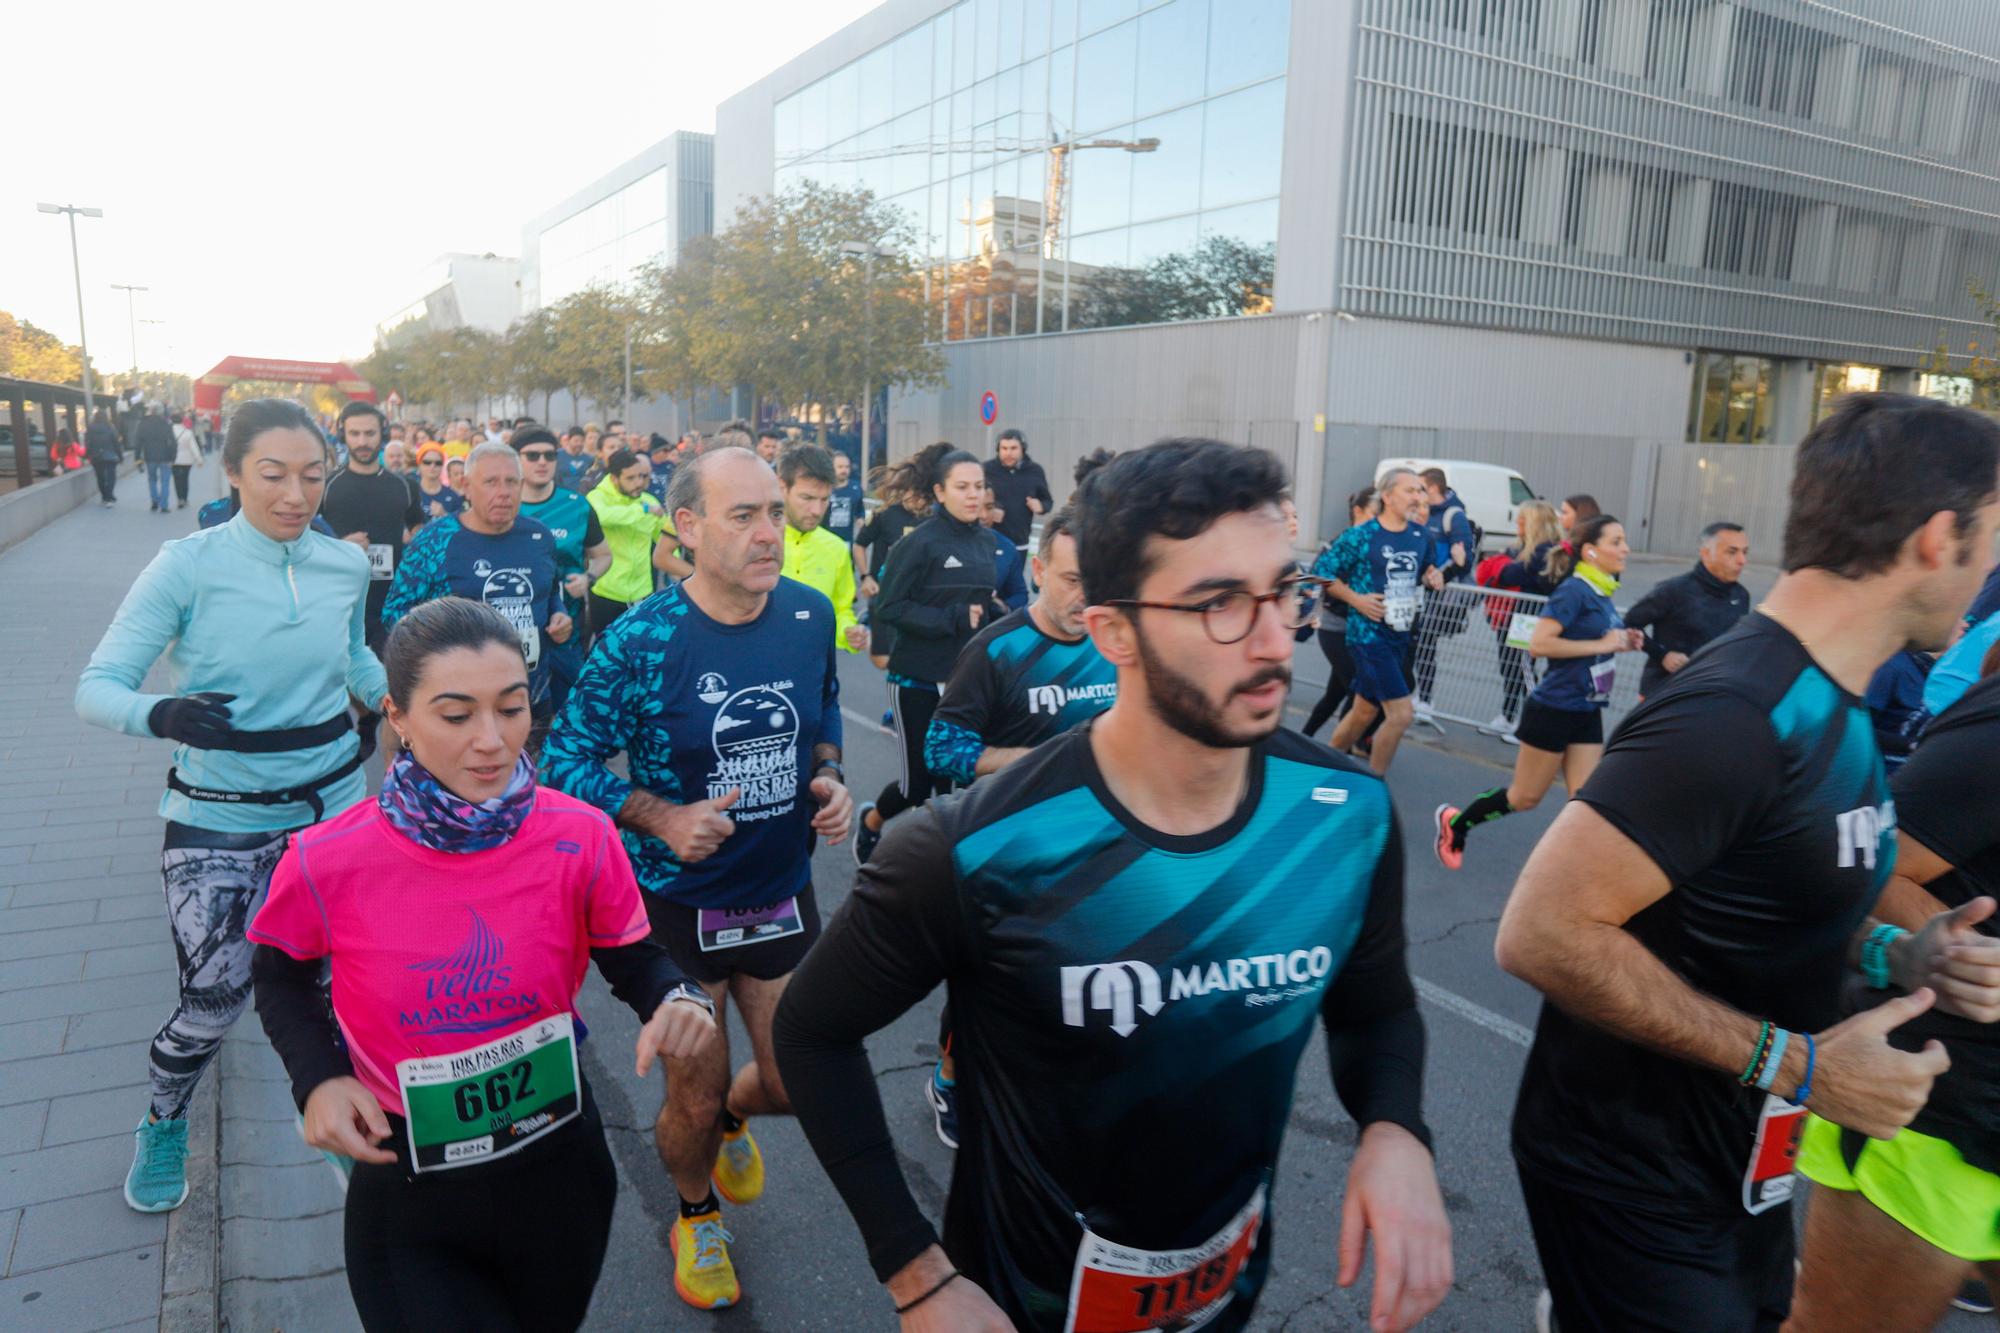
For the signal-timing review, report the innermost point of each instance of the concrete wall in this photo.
(23, 513)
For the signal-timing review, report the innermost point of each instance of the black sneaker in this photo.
(1974, 1297)
(865, 838)
(943, 1099)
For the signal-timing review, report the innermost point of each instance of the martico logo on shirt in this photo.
(470, 989)
(1052, 699)
(1129, 987)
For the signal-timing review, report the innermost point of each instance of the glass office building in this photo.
(643, 210)
(1069, 164)
(1594, 239)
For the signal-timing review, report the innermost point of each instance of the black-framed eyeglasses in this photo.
(538, 455)
(1230, 616)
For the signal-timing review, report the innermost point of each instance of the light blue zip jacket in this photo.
(281, 625)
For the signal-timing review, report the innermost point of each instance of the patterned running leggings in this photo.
(213, 881)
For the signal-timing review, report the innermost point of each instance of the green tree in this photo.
(531, 363)
(589, 335)
(31, 353)
(1219, 276)
(1979, 363)
(773, 302)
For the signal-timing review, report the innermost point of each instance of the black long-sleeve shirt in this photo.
(1682, 615)
(1130, 1008)
(940, 570)
(1012, 489)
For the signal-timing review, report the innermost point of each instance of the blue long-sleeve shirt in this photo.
(280, 625)
(699, 708)
(1010, 583)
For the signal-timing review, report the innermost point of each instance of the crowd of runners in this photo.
(604, 674)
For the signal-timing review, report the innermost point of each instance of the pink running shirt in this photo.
(434, 952)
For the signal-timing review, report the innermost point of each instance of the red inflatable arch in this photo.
(208, 390)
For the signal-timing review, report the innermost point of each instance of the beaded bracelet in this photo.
(1749, 1073)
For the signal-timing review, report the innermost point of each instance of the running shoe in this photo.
(739, 1168)
(865, 838)
(1974, 1297)
(943, 1098)
(703, 1274)
(157, 1182)
(1420, 708)
(1499, 726)
(1450, 854)
(888, 719)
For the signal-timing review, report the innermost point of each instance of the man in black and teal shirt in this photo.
(490, 553)
(582, 551)
(1025, 679)
(1379, 570)
(721, 691)
(1140, 925)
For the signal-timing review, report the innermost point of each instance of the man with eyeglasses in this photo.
(583, 552)
(1379, 569)
(1139, 923)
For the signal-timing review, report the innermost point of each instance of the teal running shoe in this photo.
(157, 1182)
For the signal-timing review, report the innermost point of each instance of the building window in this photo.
(1751, 231)
(1774, 64)
(1455, 178)
(1730, 402)
(1838, 381)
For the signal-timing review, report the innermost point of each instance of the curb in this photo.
(190, 1294)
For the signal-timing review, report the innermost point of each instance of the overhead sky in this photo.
(280, 175)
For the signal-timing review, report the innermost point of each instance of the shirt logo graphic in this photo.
(470, 989)
(1858, 834)
(1121, 988)
(756, 739)
(1330, 795)
(802, 615)
(953, 562)
(711, 688)
(1052, 699)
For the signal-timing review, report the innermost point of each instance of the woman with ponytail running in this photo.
(937, 590)
(1562, 723)
(456, 914)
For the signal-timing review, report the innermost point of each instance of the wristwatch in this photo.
(694, 994)
(839, 773)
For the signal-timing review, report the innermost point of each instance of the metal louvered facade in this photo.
(1780, 177)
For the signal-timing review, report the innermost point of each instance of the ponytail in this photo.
(1563, 559)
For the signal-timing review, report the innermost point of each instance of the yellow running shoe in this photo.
(739, 1168)
(703, 1274)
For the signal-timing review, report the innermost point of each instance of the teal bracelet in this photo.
(1773, 1060)
(1875, 955)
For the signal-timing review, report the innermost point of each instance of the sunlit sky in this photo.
(279, 176)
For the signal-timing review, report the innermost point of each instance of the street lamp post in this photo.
(131, 320)
(868, 251)
(76, 267)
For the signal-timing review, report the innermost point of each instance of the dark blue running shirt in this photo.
(513, 572)
(700, 707)
(1579, 684)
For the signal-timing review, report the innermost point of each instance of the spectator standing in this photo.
(632, 521)
(187, 453)
(155, 443)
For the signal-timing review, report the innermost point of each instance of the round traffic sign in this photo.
(989, 407)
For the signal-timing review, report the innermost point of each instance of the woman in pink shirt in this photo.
(458, 912)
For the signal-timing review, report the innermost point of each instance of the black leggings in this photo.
(107, 477)
(1339, 679)
(181, 471)
(514, 1244)
(913, 708)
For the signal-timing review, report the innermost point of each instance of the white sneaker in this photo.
(1499, 726)
(1420, 708)
(1509, 738)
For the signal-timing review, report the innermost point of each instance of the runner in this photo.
(903, 507)
(262, 624)
(463, 879)
(937, 589)
(814, 556)
(1020, 487)
(632, 522)
(1690, 915)
(574, 463)
(1580, 633)
(770, 443)
(1684, 613)
(1138, 923)
(437, 499)
(1023, 680)
(582, 553)
(489, 553)
(721, 690)
(1010, 562)
(1376, 569)
(374, 509)
(843, 510)
(1362, 506)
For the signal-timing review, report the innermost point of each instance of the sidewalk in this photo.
(87, 975)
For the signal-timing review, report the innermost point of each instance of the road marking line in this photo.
(1474, 1013)
(872, 723)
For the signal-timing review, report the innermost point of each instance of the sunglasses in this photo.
(538, 455)
(432, 462)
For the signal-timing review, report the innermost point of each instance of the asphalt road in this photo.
(801, 1261)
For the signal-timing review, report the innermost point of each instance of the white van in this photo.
(1493, 494)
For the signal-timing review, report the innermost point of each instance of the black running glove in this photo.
(200, 720)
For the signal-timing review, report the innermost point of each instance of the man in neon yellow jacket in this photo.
(632, 521)
(813, 555)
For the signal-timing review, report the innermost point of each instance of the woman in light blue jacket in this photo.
(261, 623)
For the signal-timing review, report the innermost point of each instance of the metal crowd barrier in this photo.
(1471, 662)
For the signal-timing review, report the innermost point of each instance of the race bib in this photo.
(1603, 675)
(1399, 602)
(734, 927)
(492, 1100)
(1118, 1289)
(381, 561)
(1768, 1180)
(1520, 630)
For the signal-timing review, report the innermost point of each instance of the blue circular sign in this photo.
(989, 407)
